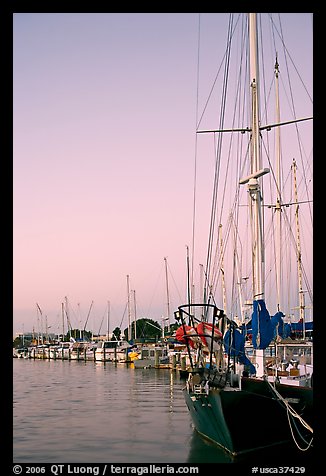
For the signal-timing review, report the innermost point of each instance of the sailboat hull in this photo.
(251, 418)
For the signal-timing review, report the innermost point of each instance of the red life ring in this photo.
(188, 331)
(204, 330)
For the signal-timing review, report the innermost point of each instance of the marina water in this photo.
(95, 412)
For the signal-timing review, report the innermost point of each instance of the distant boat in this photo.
(151, 356)
(20, 352)
(40, 351)
(60, 351)
(82, 350)
(247, 395)
(112, 351)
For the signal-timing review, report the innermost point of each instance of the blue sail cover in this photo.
(262, 325)
(235, 341)
(266, 328)
(298, 326)
(280, 327)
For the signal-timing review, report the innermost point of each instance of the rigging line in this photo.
(285, 214)
(264, 114)
(218, 150)
(306, 281)
(217, 74)
(238, 92)
(237, 270)
(233, 217)
(303, 183)
(123, 315)
(195, 161)
(175, 284)
(280, 34)
(235, 214)
(287, 55)
(88, 315)
(308, 443)
(294, 245)
(292, 100)
(279, 192)
(304, 178)
(219, 254)
(273, 264)
(102, 321)
(293, 241)
(292, 413)
(304, 175)
(210, 295)
(263, 75)
(291, 416)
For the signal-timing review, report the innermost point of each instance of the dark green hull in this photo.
(249, 419)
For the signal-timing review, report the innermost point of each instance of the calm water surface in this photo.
(95, 412)
(101, 412)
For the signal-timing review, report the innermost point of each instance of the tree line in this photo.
(145, 329)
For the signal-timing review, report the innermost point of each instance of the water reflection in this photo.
(97, 412)
(202, 451)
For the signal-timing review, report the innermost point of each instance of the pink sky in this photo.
(104, 146)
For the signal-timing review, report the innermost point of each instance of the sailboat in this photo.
(247, 394)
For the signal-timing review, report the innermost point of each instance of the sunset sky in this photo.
(103, 157)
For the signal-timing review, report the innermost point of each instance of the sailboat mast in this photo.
(89, 311)
(188, 276)
(79, 320)
(63, 321)
(135, 315)
(253, 182)
(41, 315)
(278, 207)
(167, 294)
(46, 329)
(108, 321)
(222, 268)
(68, 320)
(299, 261)
(129, 313)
